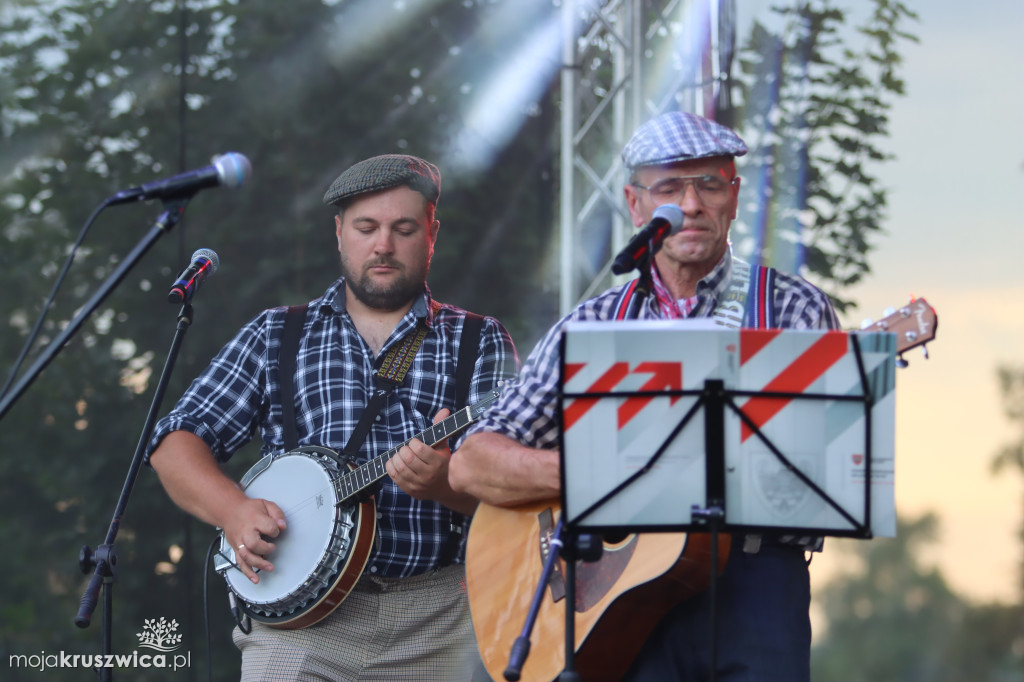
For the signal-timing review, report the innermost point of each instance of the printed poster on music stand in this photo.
(821, 403)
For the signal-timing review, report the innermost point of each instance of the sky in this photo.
(955, 238)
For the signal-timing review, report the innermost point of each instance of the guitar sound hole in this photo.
(616, 537)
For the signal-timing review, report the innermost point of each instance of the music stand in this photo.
(669, 427)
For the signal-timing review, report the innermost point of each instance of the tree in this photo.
(95, 97)
(1011, 455)
(894, 619)
(815, 112)
(1007, 647)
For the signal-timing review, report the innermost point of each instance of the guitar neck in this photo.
(362, 477)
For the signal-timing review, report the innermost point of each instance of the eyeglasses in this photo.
(711, 190)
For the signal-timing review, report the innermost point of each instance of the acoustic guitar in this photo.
(619, 598)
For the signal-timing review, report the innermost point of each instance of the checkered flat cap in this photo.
(384, 172)
(679, 136)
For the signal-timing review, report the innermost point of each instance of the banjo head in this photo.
(312, 551)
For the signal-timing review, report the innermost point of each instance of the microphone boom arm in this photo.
(171, 215)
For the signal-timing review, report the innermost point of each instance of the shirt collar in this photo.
(333, 301)
(713, 285)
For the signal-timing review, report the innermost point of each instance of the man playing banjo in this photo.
(371, 364)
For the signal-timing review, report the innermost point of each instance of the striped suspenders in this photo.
(748, 302)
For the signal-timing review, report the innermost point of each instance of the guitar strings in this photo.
(349, 479)
(351, 475)
(294, 510)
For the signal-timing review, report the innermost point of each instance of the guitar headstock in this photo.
(914, 325)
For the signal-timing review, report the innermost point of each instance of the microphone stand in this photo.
(521, 646)
(103, 562)
(172, 213)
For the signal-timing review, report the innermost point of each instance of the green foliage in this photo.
(895, 619)
(1011, 389)
(93, 99)
(815, 112)
(1011, 455)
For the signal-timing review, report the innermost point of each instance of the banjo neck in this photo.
(355, 481)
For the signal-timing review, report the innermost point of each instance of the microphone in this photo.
(204, 263)
(231, 170)
(667, 219)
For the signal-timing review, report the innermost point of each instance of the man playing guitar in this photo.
(511, 456)
(376, 360)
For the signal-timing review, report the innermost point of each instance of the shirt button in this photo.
(379, 515)
(377, 418)
(373, 569)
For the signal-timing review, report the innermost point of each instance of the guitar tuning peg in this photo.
(866, 323)
(902, 362)
(888, 311)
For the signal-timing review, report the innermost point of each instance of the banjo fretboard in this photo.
(362, 477)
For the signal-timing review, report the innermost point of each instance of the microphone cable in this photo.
(49, 301)
(242, 620)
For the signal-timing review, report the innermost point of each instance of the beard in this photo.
(385, 297)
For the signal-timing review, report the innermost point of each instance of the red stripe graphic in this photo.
(753, 340)
(571, 368)
(666, 376)
(606, 382)
(800, 374)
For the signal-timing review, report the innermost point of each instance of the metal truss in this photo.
(625, 61)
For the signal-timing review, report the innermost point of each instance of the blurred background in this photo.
(871, 126)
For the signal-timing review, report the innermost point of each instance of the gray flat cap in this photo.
(384, 172)
(679, 136)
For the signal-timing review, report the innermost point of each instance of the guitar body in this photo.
(619, 599)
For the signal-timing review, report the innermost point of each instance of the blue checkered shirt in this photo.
(239, 394)
(527, 410)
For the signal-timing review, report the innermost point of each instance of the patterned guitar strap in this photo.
(747, 302)
(391, 373)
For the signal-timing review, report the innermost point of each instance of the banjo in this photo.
(331, 527)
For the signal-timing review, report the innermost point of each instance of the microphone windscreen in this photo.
(233, 169)
(210, 255)
(671, 214)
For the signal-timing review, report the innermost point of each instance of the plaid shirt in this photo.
(527, 411)
(239, 393)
